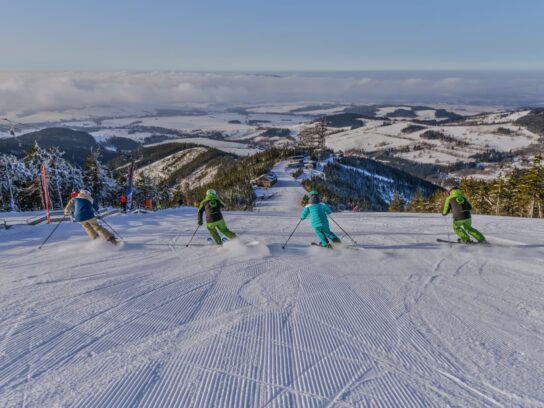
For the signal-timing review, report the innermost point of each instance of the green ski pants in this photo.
(463, 228)
(222, 227)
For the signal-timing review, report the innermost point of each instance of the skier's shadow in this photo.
(418, 245)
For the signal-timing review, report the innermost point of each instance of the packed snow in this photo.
(399, 321)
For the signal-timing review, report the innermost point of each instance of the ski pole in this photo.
(283, 246)
(192, 236)
(52, 232)
(111, 228)
(447, 228)
(343, 230)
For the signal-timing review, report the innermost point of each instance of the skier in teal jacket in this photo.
(318, 219)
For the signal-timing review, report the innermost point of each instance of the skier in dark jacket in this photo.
(84, 208)
(214, 219)
(459, 205)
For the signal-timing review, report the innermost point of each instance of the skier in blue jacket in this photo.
(84, 209)
(318, 219)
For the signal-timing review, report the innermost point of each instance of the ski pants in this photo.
(93, 229)
(324, 234)
(464, 229)
(222, 227)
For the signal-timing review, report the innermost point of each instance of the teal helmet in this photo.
(313, 192)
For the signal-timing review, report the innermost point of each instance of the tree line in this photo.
(520, 193)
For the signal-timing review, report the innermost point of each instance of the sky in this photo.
(79, 53)
(279, 35)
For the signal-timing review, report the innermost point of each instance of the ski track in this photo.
(404, 322)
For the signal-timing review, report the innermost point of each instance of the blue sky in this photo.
(271, 35)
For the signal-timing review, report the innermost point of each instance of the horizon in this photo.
(48, 90)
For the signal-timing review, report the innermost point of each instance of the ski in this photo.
(445, 241)
(321, 246)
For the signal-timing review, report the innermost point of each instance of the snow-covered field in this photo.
(239, 149)
(401, 322)
(460, 142)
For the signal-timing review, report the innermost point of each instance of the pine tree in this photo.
(91, 176)
(417, 203)
(98, 180)
(531, 189)
(313, 137)
(397, 203)
(8, 182)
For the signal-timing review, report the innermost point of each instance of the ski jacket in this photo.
(318, 214)
(458, 205)
(212, 206)
(83, 207)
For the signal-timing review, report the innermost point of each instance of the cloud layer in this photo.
(52, 90)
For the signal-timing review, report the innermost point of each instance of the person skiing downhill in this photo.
(459, 205)
(212, 205)
(84, 208)
(318, 219)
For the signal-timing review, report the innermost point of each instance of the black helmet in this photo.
(314, 197)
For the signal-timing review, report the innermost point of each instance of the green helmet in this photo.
(313, 192)
(211, 193)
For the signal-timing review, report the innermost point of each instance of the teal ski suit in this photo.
(318, 219)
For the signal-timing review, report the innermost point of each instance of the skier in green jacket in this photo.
(214, 219)
(459, 205)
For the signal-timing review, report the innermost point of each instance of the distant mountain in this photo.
(366, 184)
(484, 144)
(75, 144)
(121, 144)
(534, 121)
(174, 164)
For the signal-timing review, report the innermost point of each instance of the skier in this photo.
(214, 219)
(459, 205)
(84, 208)
(124, 201)
(318, 219)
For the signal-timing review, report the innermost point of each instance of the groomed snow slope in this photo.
(404, 322)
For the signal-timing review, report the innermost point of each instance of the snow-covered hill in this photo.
(402, 322)
(488, 140)
(473, 140)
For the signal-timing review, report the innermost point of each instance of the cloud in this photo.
(52, 90)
